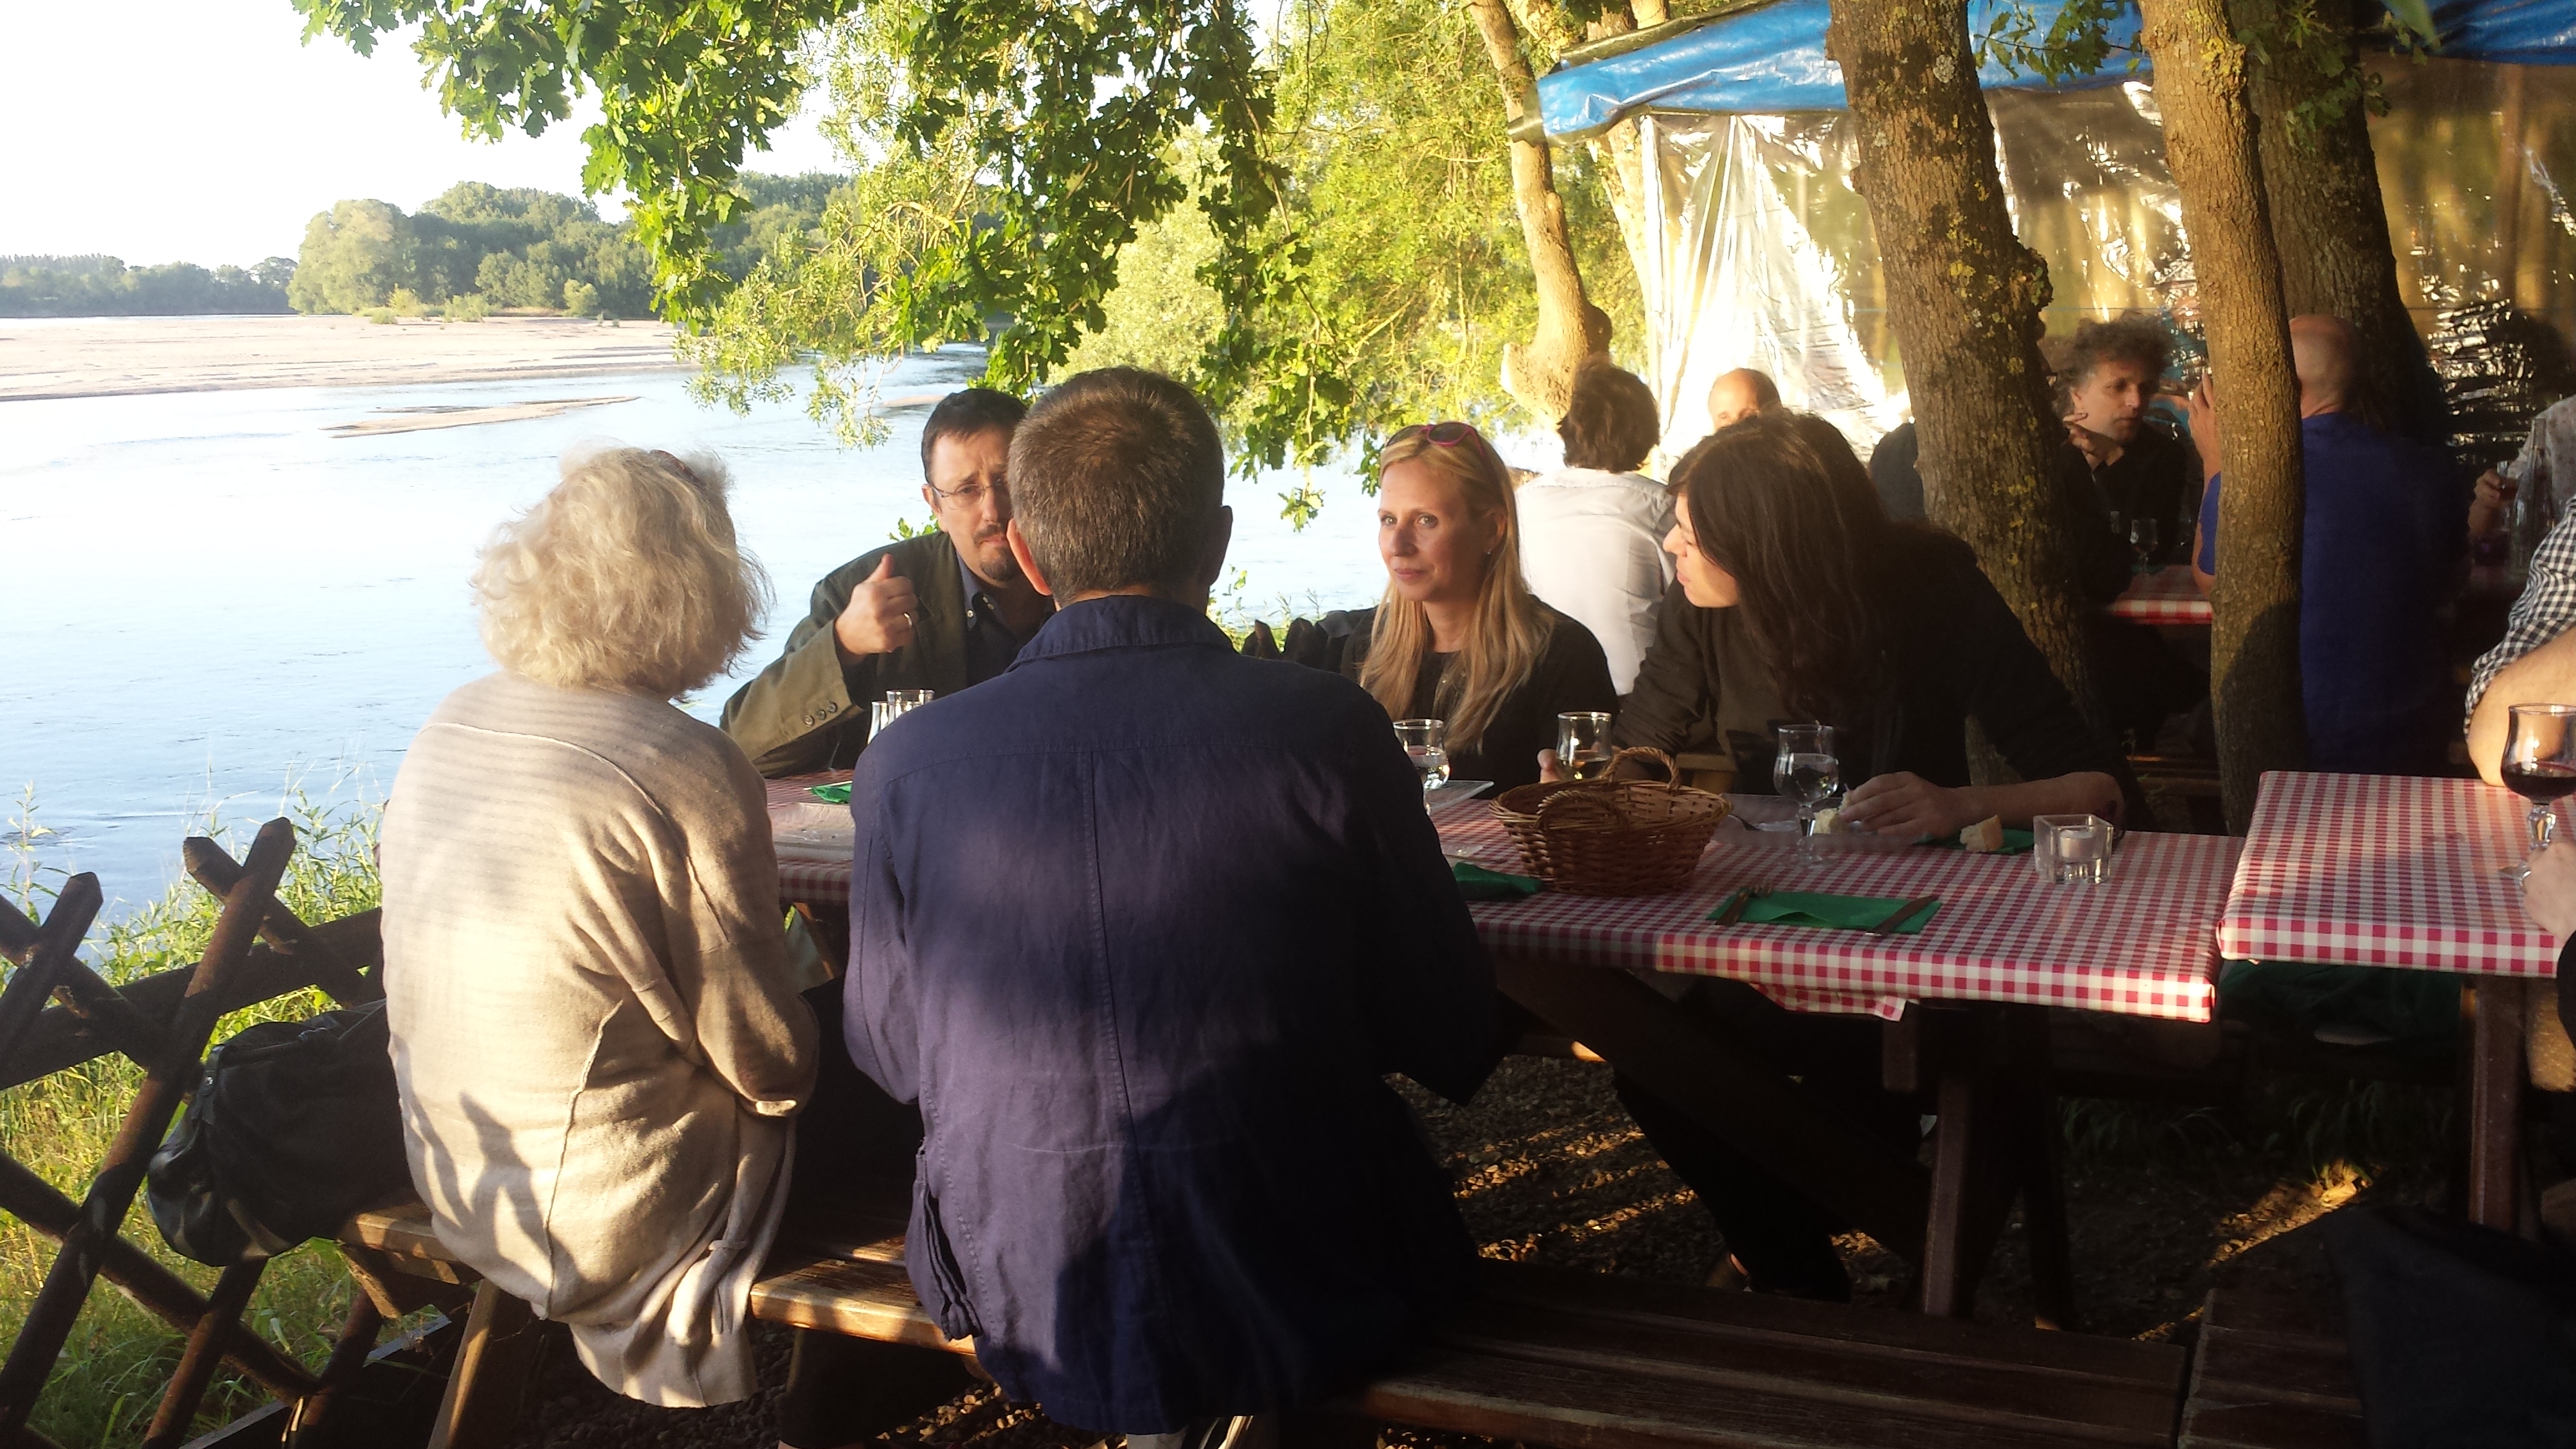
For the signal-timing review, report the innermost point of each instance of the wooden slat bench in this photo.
(2268, 1375)
(1590, 1361)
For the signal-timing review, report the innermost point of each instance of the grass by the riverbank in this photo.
(119, 1357)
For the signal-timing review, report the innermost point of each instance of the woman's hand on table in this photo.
(2549, 892)
(1910, 807)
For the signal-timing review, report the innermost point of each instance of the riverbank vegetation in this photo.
(476, 249)
(119, 1357)
(104, 286)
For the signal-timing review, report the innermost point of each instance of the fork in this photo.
(1735, 909)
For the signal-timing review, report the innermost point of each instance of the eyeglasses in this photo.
(972, 495)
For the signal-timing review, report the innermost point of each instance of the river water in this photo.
(211, 600)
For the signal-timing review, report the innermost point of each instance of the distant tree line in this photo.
(477, 249)
(104, 286)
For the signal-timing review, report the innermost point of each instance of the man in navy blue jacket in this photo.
(1143, 925)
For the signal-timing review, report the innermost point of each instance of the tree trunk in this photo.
(2211, 146)
(1619, 151)
(1964, 298)
(2328, 222)
(1540, 376)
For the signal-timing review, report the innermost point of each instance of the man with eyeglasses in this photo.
(939, 611)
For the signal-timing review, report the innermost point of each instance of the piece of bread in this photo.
(1829, 820)
(1985, 837)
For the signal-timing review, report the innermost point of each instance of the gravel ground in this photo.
(1550, 1170)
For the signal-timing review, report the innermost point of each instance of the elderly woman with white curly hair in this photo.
(598, 1040)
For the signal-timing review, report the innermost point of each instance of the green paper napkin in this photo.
(2016, 842)
(840, 794)
(1479, 884)
(1811, 908)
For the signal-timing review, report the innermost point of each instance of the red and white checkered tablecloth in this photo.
(2140, 944)
(2167, 596)
(801, 878)
(2384, 870)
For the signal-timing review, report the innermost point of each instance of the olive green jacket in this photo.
(809, 711)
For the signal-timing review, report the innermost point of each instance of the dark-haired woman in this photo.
(1459, 637)
(1591, 531)
(1799, 601)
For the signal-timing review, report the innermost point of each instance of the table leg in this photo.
(1694, 1063)
(1997, 1141)
(2495, 1098)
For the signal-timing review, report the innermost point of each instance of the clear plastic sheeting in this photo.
(1767, 259)
(1763, 256)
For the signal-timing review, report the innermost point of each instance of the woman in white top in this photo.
(1592, 531)
(597, 1039)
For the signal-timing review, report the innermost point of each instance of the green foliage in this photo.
(905, 528)
(2314, 47)
(580, 298)
(686, 89)
(98, 286)
(2076, 43)
(512, 247)
(109, 1379)
(466, 307)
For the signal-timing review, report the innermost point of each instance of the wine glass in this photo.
(1805, 770)
(1426, 743)
(1583, 743)
(2144, 540)
(2540, 766)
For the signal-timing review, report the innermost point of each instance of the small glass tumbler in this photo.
(1426, 743)
(1583, 743)
(2071, 849)
(880, 714)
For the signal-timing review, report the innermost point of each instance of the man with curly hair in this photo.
(2107, 377)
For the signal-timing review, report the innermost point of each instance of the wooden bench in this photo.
(1548, 1356)
(2266, 1375)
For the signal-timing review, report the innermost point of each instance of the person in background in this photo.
(1800, 601)
(2107, 376)
(1459, 637)
(1143, 925)
(2535, 662)
(941, 610)
(2385, 528)
(1740, 394)
(1591, 532)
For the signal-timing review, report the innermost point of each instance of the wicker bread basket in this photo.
(1612, 837)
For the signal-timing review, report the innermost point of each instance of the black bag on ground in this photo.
(295, 1126)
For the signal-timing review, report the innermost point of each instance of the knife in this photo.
(1904, 913)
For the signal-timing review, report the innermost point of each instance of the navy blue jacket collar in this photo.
(1122, 621)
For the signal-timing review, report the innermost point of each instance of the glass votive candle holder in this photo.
(2071, 849)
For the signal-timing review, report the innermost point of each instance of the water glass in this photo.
(880, 714)
(2145, 542)
(908, 698)
(1583, 743)
(1426, 743)
(2071, 849)
(1806, 771)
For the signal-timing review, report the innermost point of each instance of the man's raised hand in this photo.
(879, 617)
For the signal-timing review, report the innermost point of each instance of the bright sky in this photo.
(204, 131)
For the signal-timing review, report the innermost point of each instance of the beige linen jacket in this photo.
(594, 1031)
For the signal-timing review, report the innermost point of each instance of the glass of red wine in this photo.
(2540, 766)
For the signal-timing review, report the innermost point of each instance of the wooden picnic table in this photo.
(2406, 873)
(2164, 596)
(1964, 1005)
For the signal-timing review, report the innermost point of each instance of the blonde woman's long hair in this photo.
(626, 576)
(1511, 627)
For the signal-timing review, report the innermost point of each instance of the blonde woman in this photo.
(1459, 637)
(597, 1039)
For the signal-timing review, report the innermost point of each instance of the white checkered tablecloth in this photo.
(2138, 945)
(2167, 596)
(2384, 870)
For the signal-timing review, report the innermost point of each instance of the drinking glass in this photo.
(908, 698)
(1426, 743)
(880, 714)
(1806, 771)
(2071, 849)
(2540, 766)
(2144, 540)
(1583, 743)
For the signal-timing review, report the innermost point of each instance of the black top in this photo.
(2150, 479)
(2101, 556)
(990, 644)
(1959, 652)
(1571, 674)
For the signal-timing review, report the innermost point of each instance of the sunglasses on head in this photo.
(1446, 435)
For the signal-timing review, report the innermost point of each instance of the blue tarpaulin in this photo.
(1771, 59)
